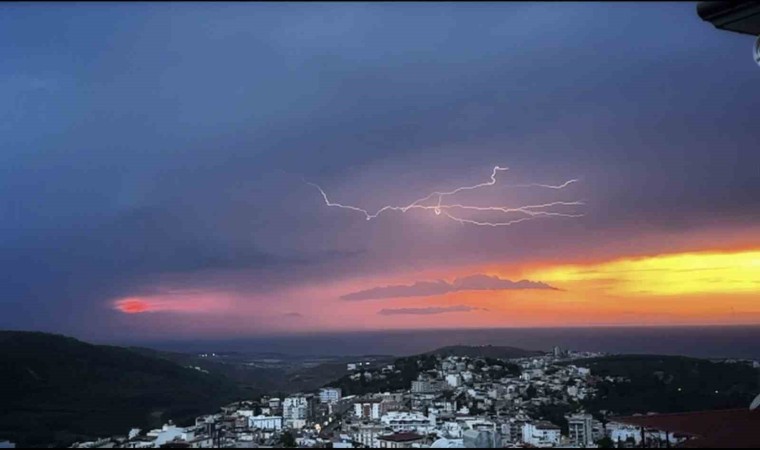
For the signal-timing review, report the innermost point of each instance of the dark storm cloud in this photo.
(70, 277)
(168, 140)
(430, 288)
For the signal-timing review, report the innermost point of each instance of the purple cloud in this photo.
(428, 311)
(479, 282)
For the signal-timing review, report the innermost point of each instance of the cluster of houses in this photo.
(460, 402)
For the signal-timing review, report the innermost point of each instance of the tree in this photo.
(513, 369)
(288, 440)
(605, 442)
(531, 392)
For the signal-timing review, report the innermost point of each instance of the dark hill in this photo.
(669, 384)
(408, 368)
(485, 351)
(56, 390)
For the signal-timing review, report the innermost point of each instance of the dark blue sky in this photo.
(147, 148)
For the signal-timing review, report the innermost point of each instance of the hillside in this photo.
(485, 351)
(56, 389)
(669, 384)
(407, 369)
(266, 373)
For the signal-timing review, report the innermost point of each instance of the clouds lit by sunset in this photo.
(173, 200)
(679, 288)
(671, 274)
(185, 304)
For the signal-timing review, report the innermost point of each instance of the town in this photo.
(452, 402)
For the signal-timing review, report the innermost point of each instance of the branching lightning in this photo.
(441, 207)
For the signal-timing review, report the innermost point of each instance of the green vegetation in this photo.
(287, 440)
(507, 369)
(670, 384)
(531, 392)
(57, 390)
(555, 414)
(258, 381)
(407, 370)
(605, 442)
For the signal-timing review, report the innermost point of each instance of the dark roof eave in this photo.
(739, 17)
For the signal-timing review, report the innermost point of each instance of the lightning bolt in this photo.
(528, 212)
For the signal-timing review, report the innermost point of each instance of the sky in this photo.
(167, 170)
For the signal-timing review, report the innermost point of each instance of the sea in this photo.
(715, 342)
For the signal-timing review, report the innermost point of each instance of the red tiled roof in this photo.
(736, 428)
(401, 437)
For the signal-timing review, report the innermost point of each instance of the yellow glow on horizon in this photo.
(673, 274)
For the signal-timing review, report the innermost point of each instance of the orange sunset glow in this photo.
(683, 288)
(709, 287)
(670, 274)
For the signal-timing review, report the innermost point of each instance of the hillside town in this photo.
(453, 402)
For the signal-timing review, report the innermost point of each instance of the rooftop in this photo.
(740, 17)
(401, 437)
(546, 426)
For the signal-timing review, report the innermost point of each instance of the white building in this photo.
(532, 374)
(581, 429)
(425, 386)
(296, 410)
(541, 434)
(451, 430)
(342, 444)
(330, 395)
(368, 435)
(266, 423)
(478, 423)
(168, 432)
(400, 421)
(454, 380)
(511, 431)
(140, 442)
(481, 439)
(306, 442)
(448, 443)
(367, 409)
(619, 432)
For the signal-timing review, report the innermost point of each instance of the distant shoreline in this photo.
(714, 341)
